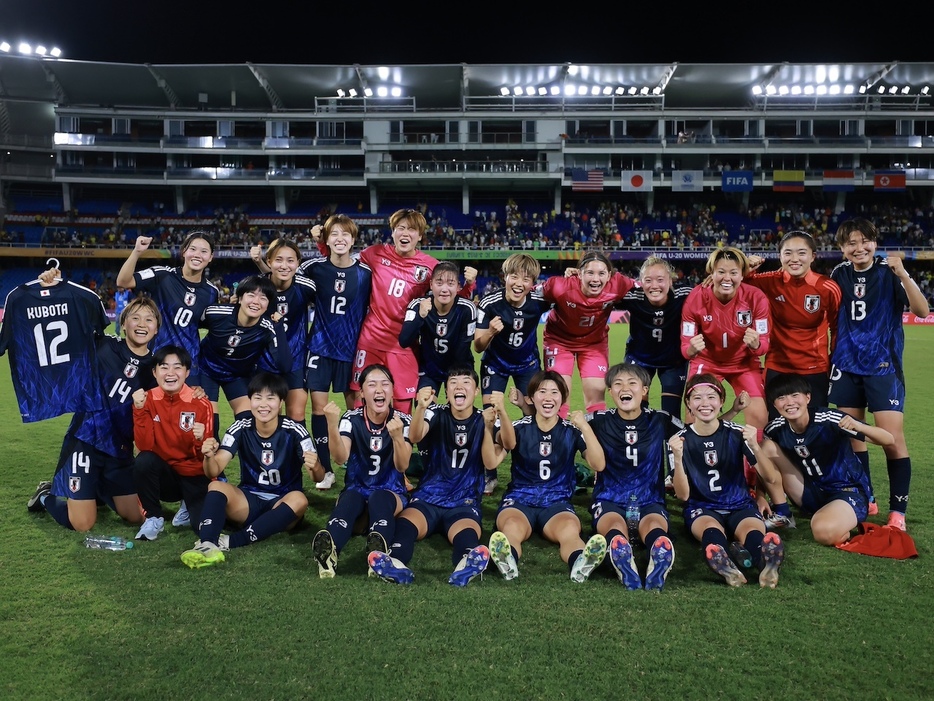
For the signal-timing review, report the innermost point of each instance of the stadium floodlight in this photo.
(848, 89)
(517, 91)
(770, 90)
(893, 90)
(5, 47)
(555, 90)
(607, 90)
(530, 91)
(595, 90)
(570, 90)
(572, 69)
(41, 50)
(835, 89)
(906, 90)
(756, 90)
(368, 92)
(808, 89)
(504, 91)
(582, 90)
(55, 52)
(542, 91)
(382, 91)
(796, 90)
(657, 90)
(881, 89)
(633, 90)
(783, 90)
(620, 90)
(925, 90)
(340, 92)
(24, 48)
(396, 91)
(821, 90)
(352, 92)
(644, 91)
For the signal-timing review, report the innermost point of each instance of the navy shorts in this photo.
(441, 518)
(233, 389)
(84, 472)
(325, 374)
(601, 508)
(259, 504)
(874, 392)
(493, 381)
(671, 379)
(537, 516)
(813, 498)
(728, 520)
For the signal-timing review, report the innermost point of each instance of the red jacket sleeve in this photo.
(143, 428)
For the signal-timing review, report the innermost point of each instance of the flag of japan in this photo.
(636, 180)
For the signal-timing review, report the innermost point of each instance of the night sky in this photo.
(206, 31)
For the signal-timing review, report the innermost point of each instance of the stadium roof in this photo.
(31, 87)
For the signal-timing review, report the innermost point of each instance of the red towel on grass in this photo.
(881, 541)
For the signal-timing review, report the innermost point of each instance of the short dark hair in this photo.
(780, 385)
(256, 283)
(863, 226)
(184, 357)
(371, 368)
(705, 378)
(446, 266)
(462, 369)
(197, 234)
(543, 376)
(636, 371)
(268, 381)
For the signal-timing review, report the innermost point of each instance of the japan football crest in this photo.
(233, 341)
(376, 443)
(517, 323)
(267, 457)
(190, 298)
(460, 439)
(710, 457)
(339, 285)
(421, 273)
(811, 303)
(186, 420)
(74, 484)
(544, 449)
(130, 370)
(441, 329)
(802, 451)
(859, 290)
(282, 308)
(744, 318)
(632, 437)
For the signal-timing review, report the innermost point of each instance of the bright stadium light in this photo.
(368, 92)
(517, 91)
(906, 90)
(504, 91)
(381, 91)
(41, 50)
(783, 90)
(821, 89)
(582, 90)
(5, 47)
(24, 48)
(340, 92)
(607, 90)
(770, 90)
(757, 90)
(397, 91)
(530, 91)
(55, 52)
(633, 90)
(848, 90)
(644, 91)
(796, 90)
(570, 90)
(542, 91)
(555, 90)
(595, 90)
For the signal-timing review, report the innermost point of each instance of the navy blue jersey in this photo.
(370, 465)
(293, 304)
(714, 468)
(269, 466)
(870, 338)
(543, 469)
(51, 334)
(823, 452)
(453, 460)
(342, 297)
(230, 351)
(181, 303)
(443, 340)
(655, 332)
(515, 348)
(121, 372)
(636, 452)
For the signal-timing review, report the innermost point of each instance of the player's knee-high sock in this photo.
(349, 506)
(213, 516)
(573, 558)
(714, 536)
(382, 507)
(319, 431)
(217, 426)
(753, 544)
(273, 521)
(672, 405)
(654, 535)
(244, 415)
(403, 545)
(463, 543)
(612, 533)
(58, 509)
(899, 482)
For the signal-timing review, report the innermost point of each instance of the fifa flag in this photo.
(586, 180)
(737, 181)
(839, 181)
(636, 181)
(788, 181)
(687, 181)
(889, 180)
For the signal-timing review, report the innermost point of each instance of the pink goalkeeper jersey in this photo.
(396, 282)
(576, 321)
(723, 326)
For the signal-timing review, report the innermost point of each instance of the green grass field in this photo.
(82, 624)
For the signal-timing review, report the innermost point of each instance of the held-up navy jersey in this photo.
(543, 469)
(442, 340)
(822, 452)
(293, 304)
(269, 467)
(370, 466)
(655, 332)
(342, 297)
(51, 333)
(714, 468)
(122, 372)
(870, 338)
(515, 348)
(230, 351)
(181, 303)
(454, 471)
(636, 456)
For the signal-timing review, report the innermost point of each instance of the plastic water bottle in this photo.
(107, 542)
(633, 516)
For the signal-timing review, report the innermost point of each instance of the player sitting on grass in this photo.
(458, 442)
(709, 478)
(273, 449)
(812, 449)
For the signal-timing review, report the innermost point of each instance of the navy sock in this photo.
(463, 543)
(404, 543)
(273, 521)
(213, 516)
(58, 509)
(654, 535)
(672, 405)
(612, 533)
(319, 431)
(217, 426)
(899, 482)
(244, 415)
(382, 508)
(491, 474)
(349, 506)
(573, 558)
(714, 536)
(782, 509)
(753, 544)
